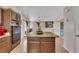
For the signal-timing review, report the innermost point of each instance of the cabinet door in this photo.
(33, 45)
(5, 45)
(47, 46)
(14, 15)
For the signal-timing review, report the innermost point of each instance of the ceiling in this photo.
(46, 13)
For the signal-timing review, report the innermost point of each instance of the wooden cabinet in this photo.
(47, 45)
(11, 24)
(33, 45)
(5, 45)
(7, 19)
(13, 15)
(41, 45)
(18, 17)
(1, 16)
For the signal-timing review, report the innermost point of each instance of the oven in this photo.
(16, 34)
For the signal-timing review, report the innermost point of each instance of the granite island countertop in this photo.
(45, 34)
(5, 35)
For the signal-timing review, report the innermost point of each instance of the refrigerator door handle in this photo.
(77, 35)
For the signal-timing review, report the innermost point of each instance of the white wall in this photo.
(55, 29)
(46, 13)
(42, 24)
(44, 29)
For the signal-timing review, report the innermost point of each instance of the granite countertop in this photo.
(5, 35)
(45, 34)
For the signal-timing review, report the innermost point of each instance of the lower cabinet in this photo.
(47, 47)
(5, 45)
(41, 45)
(33, 47)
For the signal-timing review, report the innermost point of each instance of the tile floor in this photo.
(22, 48)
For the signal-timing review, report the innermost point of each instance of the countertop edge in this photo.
(5, 35)
(35, 35)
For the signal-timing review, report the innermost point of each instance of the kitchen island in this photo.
(44, 43)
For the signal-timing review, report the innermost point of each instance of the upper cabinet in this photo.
(14, 15)
(15, 18)
(18, 18)
(1, 20)
(10, 19)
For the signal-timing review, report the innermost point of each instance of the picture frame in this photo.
(49, 24)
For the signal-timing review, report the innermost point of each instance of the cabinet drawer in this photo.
(4, 48)
(33, 39)
(5, 45)
(48, 39)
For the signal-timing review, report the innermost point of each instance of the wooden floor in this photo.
(22, 48)
(59, 46)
